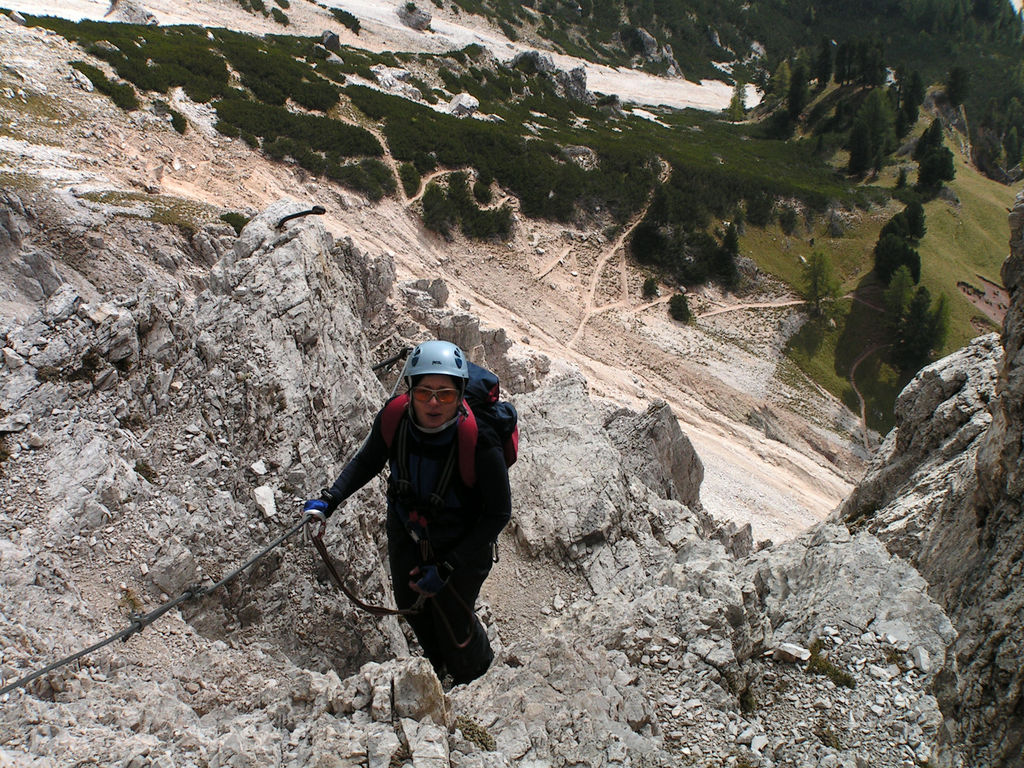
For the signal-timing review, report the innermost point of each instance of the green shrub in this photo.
(122, 94)
(279, 16)
(179, 122)
(788, 219)
(284, 4)
(679, 308)
(650, 289)
(410, 178)
(821, 665)
(273, 74)
(482, 192)
(346, 18)
(312, 131)
(236, 220)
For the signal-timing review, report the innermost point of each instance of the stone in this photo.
(414, 17)
(175, 568)
(790, 652)
(331, 41)
(463, 105)
(264, 496)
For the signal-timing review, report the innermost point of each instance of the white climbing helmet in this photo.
(436, 357)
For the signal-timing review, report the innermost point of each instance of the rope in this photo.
(392, 360)
(316, 210)
(140, 622)
(375, 610)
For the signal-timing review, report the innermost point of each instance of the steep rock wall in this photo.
(945, 493)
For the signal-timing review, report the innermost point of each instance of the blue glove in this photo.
(317, 511)
(432, 579)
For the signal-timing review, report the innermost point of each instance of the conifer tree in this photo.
(820, 283)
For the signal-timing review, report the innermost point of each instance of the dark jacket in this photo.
(461, 531)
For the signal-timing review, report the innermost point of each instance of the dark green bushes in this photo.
(410, 178)
(236, 220)
(122, 94)
(443, 210)
(273, 75)
(679, 308)
(547, 185)
(151, 58)
(346, 18)
(317, 133)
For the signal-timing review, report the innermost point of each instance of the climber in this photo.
(440, 528)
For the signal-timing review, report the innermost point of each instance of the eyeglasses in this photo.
(443, 396)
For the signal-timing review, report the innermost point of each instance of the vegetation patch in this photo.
(144, 470)
(446, 209)
(236, 220)
(122, 94)
(476, 733)
(345, 18)
(821, 665)
(187, 215)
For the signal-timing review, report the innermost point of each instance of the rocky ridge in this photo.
(169, 396)
(159, 436)
(945, 493)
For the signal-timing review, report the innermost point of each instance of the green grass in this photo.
(964, 241)
(188, 215)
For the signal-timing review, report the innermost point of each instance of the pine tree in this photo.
(824, 62)
(957, 85)
(820, 283)
(737, 105)
(916, 337)
(679, 308)
(897, 298)
(799, 93)
(860, 149)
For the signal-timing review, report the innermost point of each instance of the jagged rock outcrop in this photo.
(463, 105)
(570, 85)
(920, 483)
(414, 17)
(130, 13)
(946, 493)
(989, 611)
(159, 438)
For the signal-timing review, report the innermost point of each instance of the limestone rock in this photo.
(330, 41)
(463, 105)
(656, 452)
(414, 17)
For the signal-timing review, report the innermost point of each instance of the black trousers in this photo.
(447, 620)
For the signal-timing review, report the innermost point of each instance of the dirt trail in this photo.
(863, 405)
(570, 308)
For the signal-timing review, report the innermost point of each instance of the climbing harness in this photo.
(375, 610)
(316, 210)
(140, 622)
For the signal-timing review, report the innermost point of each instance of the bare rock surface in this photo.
(168, 397)
(172, 421)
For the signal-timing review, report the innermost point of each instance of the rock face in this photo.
(989, 612)
(945, 492)
(156, 437)
(569, 85)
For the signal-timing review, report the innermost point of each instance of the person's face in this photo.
(427, 397)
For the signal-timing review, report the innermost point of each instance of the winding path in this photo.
(853, 382)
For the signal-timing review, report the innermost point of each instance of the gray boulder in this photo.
(414, 17)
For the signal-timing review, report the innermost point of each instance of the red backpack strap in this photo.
(467, 432)
(391, 417)
(511, 447)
